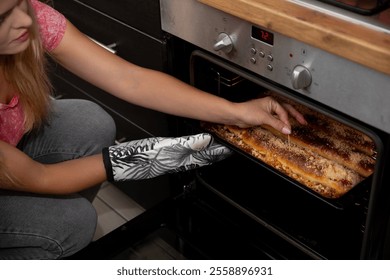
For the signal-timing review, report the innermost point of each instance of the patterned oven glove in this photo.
(152, 157)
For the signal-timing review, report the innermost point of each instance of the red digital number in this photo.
(265, 35)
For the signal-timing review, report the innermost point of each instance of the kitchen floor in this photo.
(114, 208)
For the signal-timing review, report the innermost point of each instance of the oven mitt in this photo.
(152, 157)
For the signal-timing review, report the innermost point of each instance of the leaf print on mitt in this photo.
(152, 157)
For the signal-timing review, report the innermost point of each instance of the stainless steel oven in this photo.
(241, 208)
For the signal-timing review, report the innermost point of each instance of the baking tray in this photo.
(353, 197)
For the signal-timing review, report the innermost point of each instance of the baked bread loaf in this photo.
(321, 161)
(330, 147)
(328, 126)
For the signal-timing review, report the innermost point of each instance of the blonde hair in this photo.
(26, 72)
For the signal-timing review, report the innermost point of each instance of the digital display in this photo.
(263, 35)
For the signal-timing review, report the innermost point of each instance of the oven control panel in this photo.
(336, 82)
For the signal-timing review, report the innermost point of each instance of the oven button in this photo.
(262, 54)
(301, 77)
(224, 43)
(253, 51)
(270, 57)
(270, 67)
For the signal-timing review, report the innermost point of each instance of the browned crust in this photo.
(329, 147)
(326, 177)
(326, 126)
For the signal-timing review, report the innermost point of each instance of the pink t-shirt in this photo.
(52, 28)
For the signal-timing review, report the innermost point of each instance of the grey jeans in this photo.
(53, 227)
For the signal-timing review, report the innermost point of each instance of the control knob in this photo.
(224, 43)
(301, 77)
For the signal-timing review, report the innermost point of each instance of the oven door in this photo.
(240, 208)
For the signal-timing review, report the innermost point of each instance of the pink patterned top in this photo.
(52, 28)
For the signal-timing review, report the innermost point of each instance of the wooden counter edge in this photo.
(357, 43)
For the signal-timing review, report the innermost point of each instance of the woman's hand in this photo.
(268, 111)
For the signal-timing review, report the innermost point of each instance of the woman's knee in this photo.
(99, 124)
(87, 122)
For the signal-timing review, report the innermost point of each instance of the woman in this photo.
(53, 152)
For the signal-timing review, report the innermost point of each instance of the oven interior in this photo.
(240, 208)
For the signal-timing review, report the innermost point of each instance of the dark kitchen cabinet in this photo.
(139, 14)
(131, 28)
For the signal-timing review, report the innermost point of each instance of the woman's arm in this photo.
(133, 160)
(159, 91)
(66, 177)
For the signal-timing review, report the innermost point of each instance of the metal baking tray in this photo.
(354, 196)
